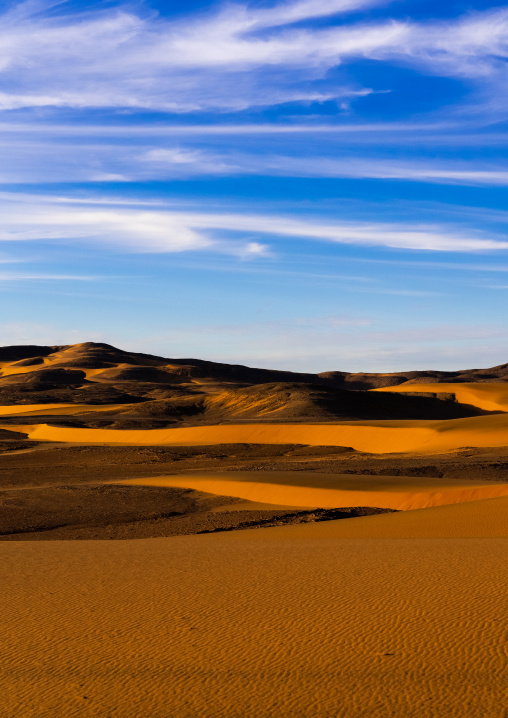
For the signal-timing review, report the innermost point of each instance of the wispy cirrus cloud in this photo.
(234, 58)
(55, 160)
(167, 162)
(415, 170)
(392, 130)
(119, 59)
(145, 229)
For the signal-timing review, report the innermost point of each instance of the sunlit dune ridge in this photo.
(378, 437)
(331, 490)
(490, 397)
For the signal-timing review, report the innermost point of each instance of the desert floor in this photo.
(396, 614)
(289, 621)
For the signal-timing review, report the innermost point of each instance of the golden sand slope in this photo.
(490, 397)
(331, 490)
(372, 436)
(226, 626)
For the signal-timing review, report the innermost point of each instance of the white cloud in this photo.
(475, 45)
(26, 218)
(236, 58)
(253, 250)
(129, 229)
(118, 59)
(403, 236)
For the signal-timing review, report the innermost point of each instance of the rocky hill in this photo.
(132, 387)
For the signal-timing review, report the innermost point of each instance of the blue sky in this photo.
(309, 184)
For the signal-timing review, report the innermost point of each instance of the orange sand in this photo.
(236, 626)
(311, 489)
(372, 436)
(491, 397)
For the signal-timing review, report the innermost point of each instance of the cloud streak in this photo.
(26, 218)
(53, 159)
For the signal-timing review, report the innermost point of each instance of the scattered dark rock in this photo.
(303, 517)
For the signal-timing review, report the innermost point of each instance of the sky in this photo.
(311, 185)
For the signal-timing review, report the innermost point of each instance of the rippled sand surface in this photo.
(257, 623)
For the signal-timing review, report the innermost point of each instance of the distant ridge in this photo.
(100, 355)
(160, 391)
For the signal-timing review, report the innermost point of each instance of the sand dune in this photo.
(490, 397)
(312, 489)
(371, 436)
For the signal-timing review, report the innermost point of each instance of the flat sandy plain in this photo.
(399, 614)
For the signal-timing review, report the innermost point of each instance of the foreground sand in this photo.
(391, 616)
(272, 622)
